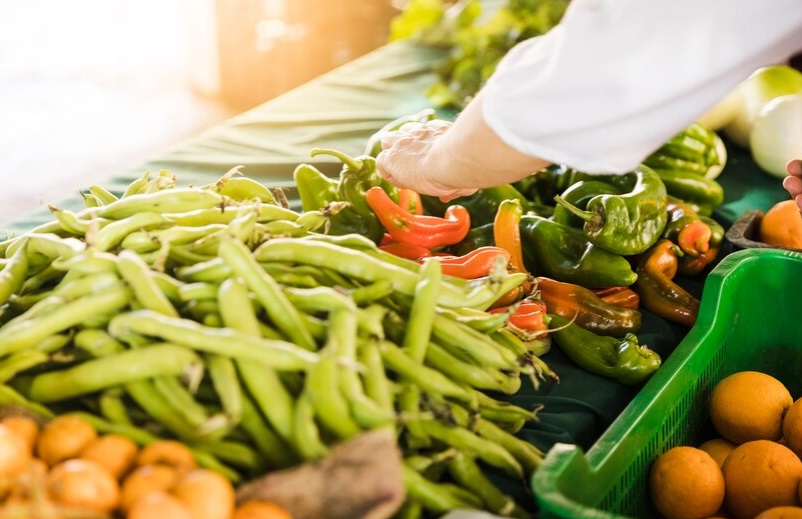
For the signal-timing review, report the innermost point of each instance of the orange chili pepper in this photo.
(622, 296)
(475, 264)
(587, 309)
(405, 250)
(529, 316)
(507, 231)
(419, 229)
(658, 292)
(686, 229)
(410, 200)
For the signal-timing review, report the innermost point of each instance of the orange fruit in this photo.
(782, 225)
(718, 448)
(781, 512)
(686, 483)
(792, 427)
(759, 475)
(261, 510)
(749, 405)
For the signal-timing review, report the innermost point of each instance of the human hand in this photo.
(793, 182)
(408, 160)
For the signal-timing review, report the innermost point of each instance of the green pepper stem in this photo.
(350, 162)
(585, 215)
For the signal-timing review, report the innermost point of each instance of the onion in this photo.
(723, 112)
(758, 89)
(776, 135)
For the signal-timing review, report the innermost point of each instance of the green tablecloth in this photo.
(340, 110)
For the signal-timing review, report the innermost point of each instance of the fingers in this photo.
(794, 167)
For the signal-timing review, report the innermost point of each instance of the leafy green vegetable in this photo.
(477, 34)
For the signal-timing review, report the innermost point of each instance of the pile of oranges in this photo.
(66, 469)
(750, 470)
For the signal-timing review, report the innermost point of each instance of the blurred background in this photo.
(89, 87)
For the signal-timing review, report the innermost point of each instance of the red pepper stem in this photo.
(581, 213)
(351, 162)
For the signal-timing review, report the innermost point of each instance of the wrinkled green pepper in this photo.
(315, 189)
(627, 223)
(622, 359)
(565, 254)
(374, 145)
(483, 204)
(357, 176)
(703, 194)
(579, 194)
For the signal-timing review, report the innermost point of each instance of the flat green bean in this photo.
(437, 497)
(13, 274)
(223, 372)
(111, 370)
(323, 390)
(480, 377)
(104, 195)
(428, 379)
(136, 185)
(19, 362)
(112, 407)
(273, 448)
(469, 442)
(10, 397)
(278, 354)
(27, 333)
(467, 473)
(96, 342)
(306, 435)
(136, 434)
(422, 313)
(164, 201)
(278, 308)
(113, 233)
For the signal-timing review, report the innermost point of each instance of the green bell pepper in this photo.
(315, 189)
(627, 223)
(622, 359)
(565, 254)
(357, 176)
(579, 194)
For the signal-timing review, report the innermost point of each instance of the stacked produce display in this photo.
(261, 337)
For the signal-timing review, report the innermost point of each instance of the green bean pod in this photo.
(279, 309)
(19, 362)
(111, 370)
(277, 354)
(477, 376)
(437, 497)
(164, 201)
(467, 473)
(306, 435)
(25, 334)
(13, 274)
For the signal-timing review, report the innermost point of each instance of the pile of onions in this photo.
(764, 115)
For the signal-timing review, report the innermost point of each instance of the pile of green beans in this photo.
(217, 316)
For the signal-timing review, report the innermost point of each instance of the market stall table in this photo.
(340, 110)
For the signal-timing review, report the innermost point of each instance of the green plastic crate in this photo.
(749, 319)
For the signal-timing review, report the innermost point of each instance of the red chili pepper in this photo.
(621, 296)
(529, 316)
(419, 229)
(409, 199)
(507, 231)
(406, 250)
(690, 266)
(475, 264)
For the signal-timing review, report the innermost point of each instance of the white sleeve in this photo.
(617, 78)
